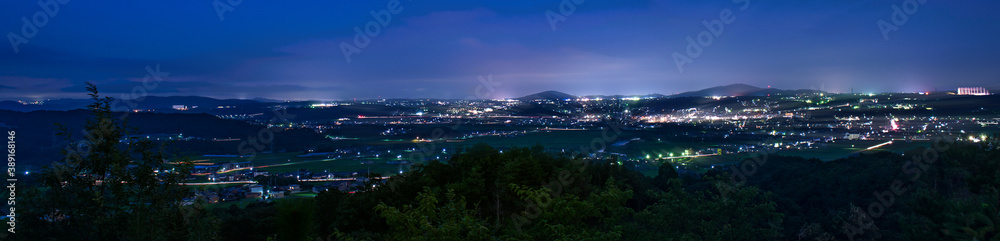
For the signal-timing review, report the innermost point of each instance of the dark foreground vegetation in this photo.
(113, 190)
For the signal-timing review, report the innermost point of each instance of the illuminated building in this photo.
(973, 91)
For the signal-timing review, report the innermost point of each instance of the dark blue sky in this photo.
(440, 49)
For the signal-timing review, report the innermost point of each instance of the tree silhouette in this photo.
(107, 187)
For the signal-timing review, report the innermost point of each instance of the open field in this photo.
(642, 145)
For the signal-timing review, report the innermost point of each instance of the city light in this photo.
(814, 120)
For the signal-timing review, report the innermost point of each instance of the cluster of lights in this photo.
(977, 140)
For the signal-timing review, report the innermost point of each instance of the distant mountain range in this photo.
(556, 95)
(548, 95)
(158, 103)
(220, 106)
(726, 90)
(743, 90)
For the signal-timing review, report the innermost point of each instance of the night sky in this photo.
(442, 49)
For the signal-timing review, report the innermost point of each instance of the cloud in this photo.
(439, 50)
(128, 86)
(134, 88)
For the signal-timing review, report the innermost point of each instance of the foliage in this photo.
(965, 203)
(114, 188)
(728, 213)
(429, 221)
(107, 187)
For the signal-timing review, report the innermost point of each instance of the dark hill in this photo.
(728, 90)
(548, 95)
(744, 90)
(37, 133)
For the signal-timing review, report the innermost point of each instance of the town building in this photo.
(973, 91)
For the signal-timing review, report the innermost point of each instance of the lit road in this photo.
(689, 156)
(879, 145)
(253, 182)
(217, 183)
